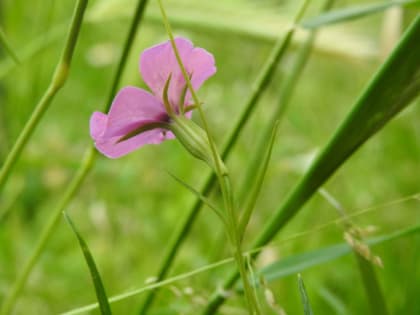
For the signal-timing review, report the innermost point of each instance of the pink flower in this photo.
(143, 114)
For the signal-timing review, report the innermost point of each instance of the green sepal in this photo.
(195, 140)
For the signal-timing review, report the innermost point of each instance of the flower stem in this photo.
(261, 83)
(223, 177)
(57, 82)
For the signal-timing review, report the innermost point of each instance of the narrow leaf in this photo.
(8, 47)
(351, 13)
(307, 309)
(300, 262)
(199, 195)
(258, 181)
(96, 278)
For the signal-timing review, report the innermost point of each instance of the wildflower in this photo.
(137, 117)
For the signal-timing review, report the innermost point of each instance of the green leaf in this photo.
(351, 13)
(307, 309)
(200, 196)
(300, 262)
(96, 278)
(257, 183)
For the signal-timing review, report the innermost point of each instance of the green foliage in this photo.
(372, 110)
(307, 310)
(128, 208)
(351, 13)
(94, 273)
(300, 262)
(8, 47)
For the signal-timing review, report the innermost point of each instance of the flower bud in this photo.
(195, 140)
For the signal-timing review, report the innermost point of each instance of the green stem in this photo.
(79, 177)
(221, 173)
(58, 80)
(220, 168)
(236, 241)
(264, 78)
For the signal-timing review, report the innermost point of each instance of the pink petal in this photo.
(97, 124)
(132, 108)
(202, 66)
(158, 62)
(110, 148)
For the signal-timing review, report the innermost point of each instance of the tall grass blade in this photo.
(392, 88)
(351, 13)
(307, 309)
(94, 273)
(8, 47)
(300, 262)
(257, 185)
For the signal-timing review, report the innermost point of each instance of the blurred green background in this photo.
(129, 208)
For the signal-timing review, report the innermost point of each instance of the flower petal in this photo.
(111, 148)
(97, 124)
(132, 108)
(158, 62)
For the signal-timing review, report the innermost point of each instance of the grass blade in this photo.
(392, 88)
(96, 277)
(351, 13)
(8, 47)
(257, 185)
(307, 309)
(200, 196)
(297, 263)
